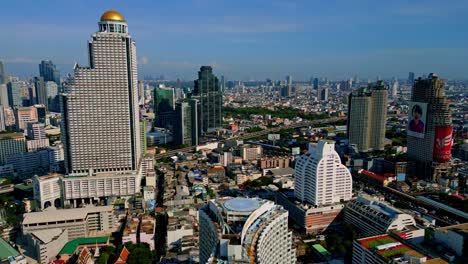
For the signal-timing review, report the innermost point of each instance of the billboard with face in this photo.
(417, 114)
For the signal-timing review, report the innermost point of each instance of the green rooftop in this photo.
(6, 250)
(320, 249)
(72, 245)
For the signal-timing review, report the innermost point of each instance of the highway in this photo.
(171, 153)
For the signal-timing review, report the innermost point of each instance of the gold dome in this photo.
(112, 15)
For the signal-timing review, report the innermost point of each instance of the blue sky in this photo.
(252, 39)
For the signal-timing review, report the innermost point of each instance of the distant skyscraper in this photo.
(395, 89)
(2, 119)
(430, 126)
(3, 77)
(367, 114)
(49, 72)
(164, 106)
(320, 178)
(208, 92)
(316, 83)
(411, 78)
(41, 91)
(4, 95)
(141, 90)
(289, 80)
(53, 100)
(15, 96)
(322, 93)
(100, 117)
(186, 127)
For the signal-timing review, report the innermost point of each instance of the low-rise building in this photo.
(47, 190)
(44, 245)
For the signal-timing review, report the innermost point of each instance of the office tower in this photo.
(223, 83)
(3, 77)
(286, 91)
(322, 93)
(244, 230)
(15, 96)
(411, 78)
(367, 116)
(52, 97)
(316, 83)
(100, 117)
(41, 92)
(143, 141)
(209, 94)
(320, 178)
(395, 89)
(11, 143)
(41, 113)
(25, 115)
(4, 95)
(2, 119)
(141, 90)
(430, 129)
(289, 80)
(186, 127)
(36, 131)
(164, 106)
(49, 72)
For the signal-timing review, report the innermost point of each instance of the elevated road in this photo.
(171, 153)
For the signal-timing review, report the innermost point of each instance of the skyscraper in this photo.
(41, 91)
(316, 83)
(322, 93)
(186, 127)
(430, 126)
(4, 95)
(289, 80)
(15, 97)
(208, 92)
(164, 106)
(100, 117)
(49, 72)
(2, 119)
(3, 78)
(395, 89)
(52, 97)
(367, 116)
(320, 178)
(411, 78)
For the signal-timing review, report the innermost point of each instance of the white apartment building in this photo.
(251, 152)
(320, 178)
(47, 190)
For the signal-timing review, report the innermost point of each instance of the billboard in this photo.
(443, 143)
(417, 114)
(273, 137)
(296, 151)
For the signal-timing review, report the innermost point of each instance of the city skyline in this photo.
(251, 40)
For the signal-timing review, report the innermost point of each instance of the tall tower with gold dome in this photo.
(100, 117)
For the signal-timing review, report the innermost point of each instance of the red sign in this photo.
(443, 143)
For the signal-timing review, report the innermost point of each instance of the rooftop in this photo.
(47, 235)
(242, 205)
(6, 250)
(72, 245)
(51, 214)
(6, 136)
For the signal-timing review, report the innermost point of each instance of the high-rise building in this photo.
(41, 92)
(11, 143)
(36, 131)
(2, 118)
(316, 83)
(289, 80)
(48, 71)
(208, 92)
(100, 117)
(141, 90)
(25, 115)
(4, 95)
(53, 100)
(244, 230)
(411, 78)
(164, 106)
(429, 126)
(322, 93)
(367, 116)
(395, 89)
(186, 127)
(320, 178)
(3, 77)
(15, 96)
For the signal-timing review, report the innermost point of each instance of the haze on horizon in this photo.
(254, 39)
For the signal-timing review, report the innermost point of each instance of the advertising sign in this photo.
(443, 143)
(417, 114)
(273, 137)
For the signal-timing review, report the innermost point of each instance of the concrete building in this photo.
(4, 95)
(164, 106)
(438, 117)
(244, 230)
(320, 178)
(41, 91)
(250, 152)
(36, 131)
(186, 125)
(367, 117)
(45, 245)
(453, 237)
(374, 217)
(80, 222)
(25, 115)
(383, 249)
(27, 164)
(48, 71)
(322, 94)
(15, 95)
(102, 139)
(47, 190)
(2, 119)
(11, 143)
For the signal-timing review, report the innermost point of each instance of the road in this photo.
(171, 153)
